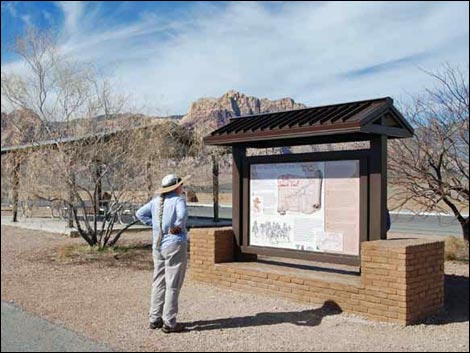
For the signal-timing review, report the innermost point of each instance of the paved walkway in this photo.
(60, 226)
(23, 332)
(55, 225)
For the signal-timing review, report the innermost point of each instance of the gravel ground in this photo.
(108, 302)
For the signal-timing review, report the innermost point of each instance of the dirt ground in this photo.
(105, 297)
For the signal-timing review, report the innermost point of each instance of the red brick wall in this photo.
(401, 281)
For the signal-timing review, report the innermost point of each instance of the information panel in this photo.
(310, 206)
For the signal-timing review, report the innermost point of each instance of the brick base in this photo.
(401, 281)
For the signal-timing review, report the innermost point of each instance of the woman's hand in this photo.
(175, 230)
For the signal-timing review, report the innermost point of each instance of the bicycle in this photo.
(127, 213)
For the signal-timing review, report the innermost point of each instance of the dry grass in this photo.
(456, 249)
(136, 255)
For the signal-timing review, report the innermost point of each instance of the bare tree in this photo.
(432, 169)
(162, 148)
(81, 158)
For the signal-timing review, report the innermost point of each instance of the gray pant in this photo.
(168, 276)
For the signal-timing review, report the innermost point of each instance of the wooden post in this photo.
(378, 188)
(98, 184)
(71, 199)
(215, 187)
(15, 187)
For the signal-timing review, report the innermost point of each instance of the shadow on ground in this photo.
(299, 318)
(308, 267)
(456, 302)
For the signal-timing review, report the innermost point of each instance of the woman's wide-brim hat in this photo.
(171, 182)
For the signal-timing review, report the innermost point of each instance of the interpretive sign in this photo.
(309, 206)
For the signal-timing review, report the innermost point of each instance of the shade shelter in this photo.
(78, 146)
(317, 206)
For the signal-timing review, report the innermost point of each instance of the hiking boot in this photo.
(156, 324)
(168, 329)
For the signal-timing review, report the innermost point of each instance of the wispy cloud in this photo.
(316, 53)
(73, 14)
(48, 17)
(10, 7)
(27, 20)
(387, 66)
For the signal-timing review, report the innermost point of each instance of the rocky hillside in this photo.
(215, 112)
(22, 127)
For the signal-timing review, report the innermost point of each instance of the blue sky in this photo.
(165, 55)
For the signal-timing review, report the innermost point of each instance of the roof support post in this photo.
(378, 188)
(238, 155)
(215, 187)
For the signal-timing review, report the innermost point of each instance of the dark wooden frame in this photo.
(360, 155)
(372, 203)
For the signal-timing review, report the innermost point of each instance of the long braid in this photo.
(160, 219)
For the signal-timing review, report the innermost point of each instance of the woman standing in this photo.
(167, 214)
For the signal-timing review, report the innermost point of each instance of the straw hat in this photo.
(171, 182)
